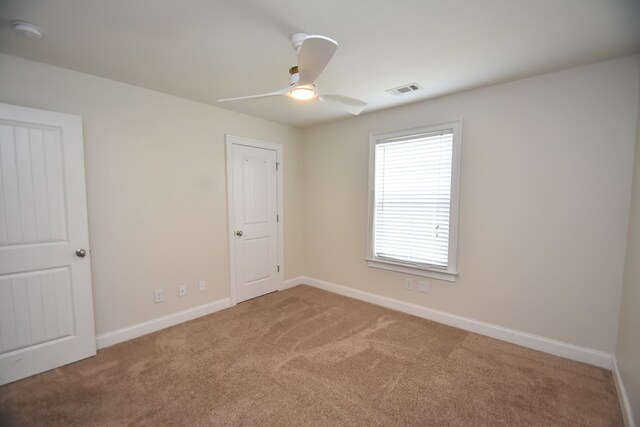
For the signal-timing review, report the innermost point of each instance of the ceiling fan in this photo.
(314, 53)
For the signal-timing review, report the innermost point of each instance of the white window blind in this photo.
(413, 199)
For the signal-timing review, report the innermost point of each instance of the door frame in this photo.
(230, 141)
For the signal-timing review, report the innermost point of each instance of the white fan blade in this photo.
(351, 105)
(264, 95)
(315, 54)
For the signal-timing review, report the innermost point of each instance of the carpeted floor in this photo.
(308, 357)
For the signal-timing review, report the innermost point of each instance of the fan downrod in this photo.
(297, 39)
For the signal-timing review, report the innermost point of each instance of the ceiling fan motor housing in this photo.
(297, 39)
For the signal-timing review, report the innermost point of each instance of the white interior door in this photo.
(254, 229)
(46, 305)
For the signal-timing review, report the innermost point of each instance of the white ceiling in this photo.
(209, 49)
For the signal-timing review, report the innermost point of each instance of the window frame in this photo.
(451, 272)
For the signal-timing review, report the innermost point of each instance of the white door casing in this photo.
(46, 303)
(254, 180)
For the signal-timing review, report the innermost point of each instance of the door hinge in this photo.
(278, 269)
(277, 218)
(277, 165)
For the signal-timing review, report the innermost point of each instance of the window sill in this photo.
(416, 271)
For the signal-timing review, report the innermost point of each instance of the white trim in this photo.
(416, 271)
(231, 140)
(130, 332)
(451, 273)
(290, 283)
(547, 345)
(623, 398)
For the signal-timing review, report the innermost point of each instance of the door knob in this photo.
(81, 253)
(239, 233)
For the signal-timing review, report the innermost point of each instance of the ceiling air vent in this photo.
(400, 90)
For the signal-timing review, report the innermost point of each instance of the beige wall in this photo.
(628, 351)
(156, 185)
(546, 178)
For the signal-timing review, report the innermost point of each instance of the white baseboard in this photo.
(114, 337)
(547, 345)
(290, 283)
(555, 347)
(623, 398)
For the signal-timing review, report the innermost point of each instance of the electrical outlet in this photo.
(158, 296)
(182, 290)
(202, 285)
(424, 286)
(408, 284)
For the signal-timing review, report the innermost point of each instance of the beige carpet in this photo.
(308, 357)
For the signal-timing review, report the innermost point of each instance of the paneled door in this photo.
(254, 210)
(46, 304)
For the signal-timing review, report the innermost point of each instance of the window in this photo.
(414, 177)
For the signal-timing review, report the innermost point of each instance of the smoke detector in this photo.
(401, 90)
(27, 29)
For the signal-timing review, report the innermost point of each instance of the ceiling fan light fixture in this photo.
(302, 93)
